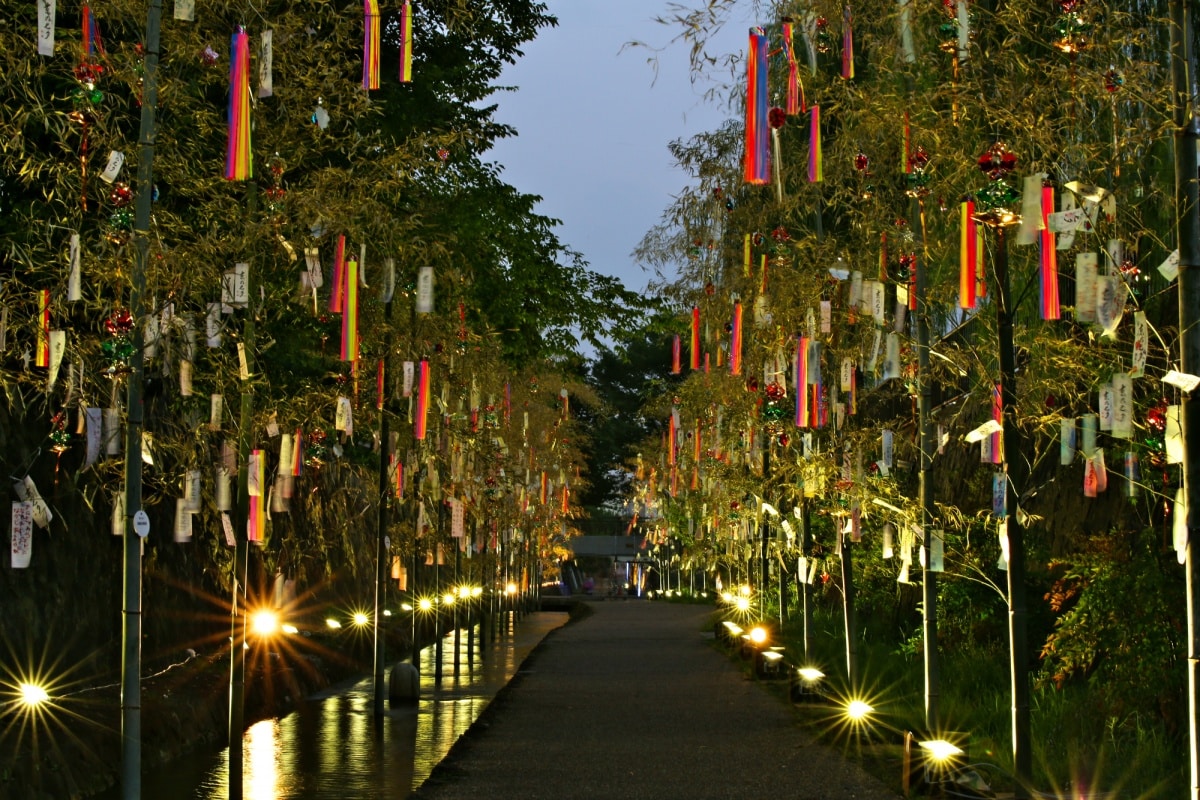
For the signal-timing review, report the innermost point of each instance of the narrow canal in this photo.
(332, 747)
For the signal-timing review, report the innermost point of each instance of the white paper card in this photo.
(409, 373)
(185, 10)
(1169, 269)
(235, 285)
(183, 521)
(116, 159)
(1122, 406)
(185, 378)
(1085, 287)
(425, 290)
(21, 530)
(266, 85)
(826, 316)
(45, 22)
(112, 431)
(216, 410)
(191, 490)
(58, 348)
(227, 527)
(1141, 344)
(92, 433)
(212, 325)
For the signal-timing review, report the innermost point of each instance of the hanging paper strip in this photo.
(735, 342)
(42, 356)
(997, 415)
(672, 435)
(337, 290)
(757, 166)
(238, 164)
(256, 527)
(816, 170)
(545, 488)
(371, 44)
(695, 339)
(795, 87)
(91, 44)
(379, 379)
(847, 45)
(350, 314)
(676, 355)
(406, 41)
(1049, 259)
(298, 454)
(802, 398)
(422, 411)
(968, 255)
(747, 251)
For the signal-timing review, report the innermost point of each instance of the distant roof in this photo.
(607, 545)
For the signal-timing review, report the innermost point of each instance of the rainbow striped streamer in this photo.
(676, 355)
(239, 166)
(420, 419)
(90, 44)
(757, 161)
(406, 42)
(968, 255)
(337, 290)
(735, 341)
(42, 357)
(370, 44)
(802, 399)
(350, 313)
(795, 87)
(1049, 259)
(847, 45)
(816, 169)
(695, 351)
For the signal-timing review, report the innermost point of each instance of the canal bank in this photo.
(331, 745)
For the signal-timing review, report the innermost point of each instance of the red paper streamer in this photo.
(337, 294)
(968, 255)
(695, 350)
(676, 355)
(1050, 305)
(735, 342)
(757, 158)
(379, 378)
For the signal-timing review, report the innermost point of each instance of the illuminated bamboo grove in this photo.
(305, 172)
(790, 261)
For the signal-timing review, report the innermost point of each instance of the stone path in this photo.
(634, 702)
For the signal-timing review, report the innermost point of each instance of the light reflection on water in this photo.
(332, 747)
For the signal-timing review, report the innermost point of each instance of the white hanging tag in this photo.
(185, 10)
(266, 62)
(425, 290)
(212, 325)
(112, 431)
(116, 160)
(45, 27)
(216, 410)
(1085, 287)
(21, 534)
(192, 490)
(1122, 406)
(183, 522)
(92, 432)
(74, 276)
(1066, 442)
(1141, 344)
(185, 378)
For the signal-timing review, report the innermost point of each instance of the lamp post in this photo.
(998, 162)
(1187, 210)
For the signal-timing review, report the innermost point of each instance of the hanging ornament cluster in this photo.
(1072, 27)
(993, 200)
(315, 449)
(276, 192)
(118, 348)
(824, 36)
(917, 175)
(862, 163)
(86, 98)
(1113, 80)
(774, 412)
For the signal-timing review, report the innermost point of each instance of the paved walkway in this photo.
(633, 702)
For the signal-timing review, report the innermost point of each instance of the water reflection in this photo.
(332, 748)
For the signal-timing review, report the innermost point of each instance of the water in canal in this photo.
(332, 747)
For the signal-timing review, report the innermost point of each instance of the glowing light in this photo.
(726, 597)
(291, 629)
(448, 598)
(32, 694)
(477, 591)
(510, 588)
(333, 623)
(810, 674)
(859, 710)
(743, 604)
(406, 607)
(361, 619)
(744, 590)
(464, 591)
(264, 623)
(941, 750)
(425, 604)
(387, 612)
(758, 634)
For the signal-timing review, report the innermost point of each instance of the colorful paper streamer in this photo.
(239, 165)
(406, 42)
(337, 288)
(371, 24)
(350, 313)
(42, 354)
(1048, 263)
(795, 86)
(421, 416)
(757, 158)
(695, 339)
(801, 372)
(847, 44)
(816, 168)
(970, 254)
(735, 342)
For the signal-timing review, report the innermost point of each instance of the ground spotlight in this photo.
(264, 623)
(361, 619)
(332, 624)
(32, 695)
